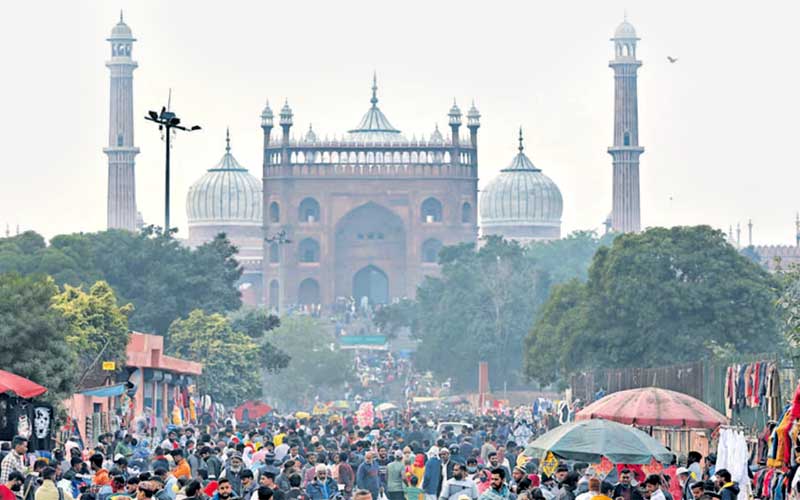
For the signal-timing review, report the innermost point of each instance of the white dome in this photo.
(523, 198)
(226, 195)
(625, 30)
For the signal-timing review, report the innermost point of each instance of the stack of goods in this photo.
(753, 385)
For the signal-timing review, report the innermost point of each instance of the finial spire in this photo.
(521, 147)
(374, 99)
(120, 16)
(625, 15)
(227, 139)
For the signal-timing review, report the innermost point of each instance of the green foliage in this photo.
(664, 295)
(402, 314)
(789, 306)
(256, 323)
(318, 366)
(485, 302)
(34, 335)
(230, 358)
(161, 278)
(98, 327)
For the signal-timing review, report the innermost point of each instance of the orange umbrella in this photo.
(19, 386)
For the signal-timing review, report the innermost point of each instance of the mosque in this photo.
(365, 214)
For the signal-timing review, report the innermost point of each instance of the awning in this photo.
(107, 391)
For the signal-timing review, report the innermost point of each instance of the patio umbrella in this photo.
(651, 406)
(591, 440)
(19, 386)
(254, 410)
(341, 405)
(386, 407)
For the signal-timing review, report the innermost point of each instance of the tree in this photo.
(485, 302)
(664, 295)
(478, 310)
(98, 327)
(34, 335)
(256, 323)
(163, 279)
(317, 367)
(230, 359)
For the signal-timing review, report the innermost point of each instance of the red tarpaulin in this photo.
(20, 386)
(651, 406)
(254, 409)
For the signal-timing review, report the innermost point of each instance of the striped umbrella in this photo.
(651, 406)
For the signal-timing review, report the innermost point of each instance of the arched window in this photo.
(274, 253)
(308, 292)
(308, 250)
(309, 210)
(274, 291)
(466, 213)
(626, 138)
(431, 210)
(430, 250)
(274, 212)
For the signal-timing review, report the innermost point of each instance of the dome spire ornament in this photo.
(227, 140)
(521, 147)
(374, 99)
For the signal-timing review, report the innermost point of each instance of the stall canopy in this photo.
(19, 386)
(651, 406)
(107, 391)
(591, 440)
(252, 410)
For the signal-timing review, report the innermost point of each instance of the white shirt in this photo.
(658, 495)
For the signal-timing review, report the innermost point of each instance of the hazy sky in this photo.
(719, 127)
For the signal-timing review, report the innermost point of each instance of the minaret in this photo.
(454, 118)
(473, 124)
(625, 213)
(121, 151)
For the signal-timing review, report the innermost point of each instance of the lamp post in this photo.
(167, 120)
(279, 238)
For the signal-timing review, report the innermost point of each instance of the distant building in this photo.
(521, 203)
(121, 195)
(626, 212)
(227, 199)
(363, 215)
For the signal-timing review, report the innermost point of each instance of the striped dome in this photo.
(521, 196)
(226, 195)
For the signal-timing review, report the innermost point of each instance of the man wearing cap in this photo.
(684, 478)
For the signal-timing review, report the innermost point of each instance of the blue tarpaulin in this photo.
(106, 391)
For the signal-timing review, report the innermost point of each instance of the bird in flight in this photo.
(672, 60)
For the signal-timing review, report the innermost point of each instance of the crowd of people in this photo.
(404, 457)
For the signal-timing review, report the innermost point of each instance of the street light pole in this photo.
(167, 120)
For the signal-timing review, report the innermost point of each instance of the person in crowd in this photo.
(12, 486)
(593, 490)
(498, 489)
(48, 489)
(367, 475)
(459, 485)
(693, 463)
(698, 490)
(412, 491)
(146, 491)
(363, 495)
(15, 459)
(395, 477)
(263, 493)
(232, 473)
(100, 475)
(727, 489)
(432, 479)
(124, 446)
(249, 485)
(225, 490)
(267, 479)
(295, 492)
(625, 488)
(321, 487)
(653, 487)
(345, 476)
(283, 478)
